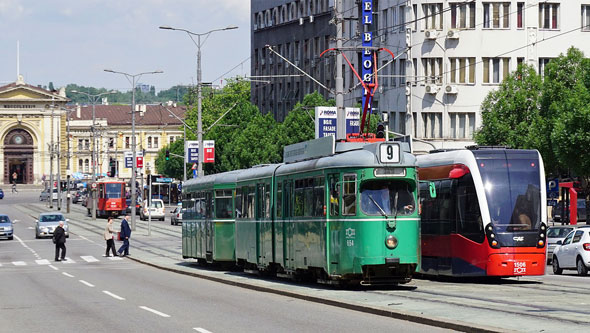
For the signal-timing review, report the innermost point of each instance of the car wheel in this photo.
(162, 219)
(37, 236)
(556, 269)
(11, 238)
(582, 269)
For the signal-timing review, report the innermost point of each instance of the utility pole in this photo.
(51, 158)
(68, 170)
(340, 112)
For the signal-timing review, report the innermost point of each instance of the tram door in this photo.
(288, 227)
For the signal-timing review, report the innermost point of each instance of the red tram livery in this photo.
(488, 216)
(110, 197)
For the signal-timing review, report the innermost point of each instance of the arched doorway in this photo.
(18, 157)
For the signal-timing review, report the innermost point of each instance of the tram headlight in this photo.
(541, 243)
(494, 243)
(391, 242)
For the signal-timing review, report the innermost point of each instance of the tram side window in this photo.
(319, 197)
(334, 195)
(298, 205)
(279, 200)
(469, 221)
(223, 204)
(267, 201)
(260, 201)
(251, 201)
(446, 206)
(308, 206)
(349, 195)
(429, 221)
(209, 204)
(239, 203)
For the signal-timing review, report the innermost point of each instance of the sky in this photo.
(73, 41)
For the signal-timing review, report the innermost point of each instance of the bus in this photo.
(488, 217)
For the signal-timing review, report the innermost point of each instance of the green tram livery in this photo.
(341, 213)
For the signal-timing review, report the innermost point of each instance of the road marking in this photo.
(202, 330)
(115, 258)
(89, 258)
(113, 295)
(55, 268)
(42, 262)
(66, 274)
(31, 228)
(154, 311)
(68, 261)
(19, 263)
(86, 283)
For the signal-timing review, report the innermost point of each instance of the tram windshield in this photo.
(387, 197)
(512, 186)
(113, 191)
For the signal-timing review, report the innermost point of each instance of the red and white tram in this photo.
(488, 217)
(110, 194)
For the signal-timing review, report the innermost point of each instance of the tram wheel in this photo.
(556, 269)
(582, 269)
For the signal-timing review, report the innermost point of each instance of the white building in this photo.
(449, 55)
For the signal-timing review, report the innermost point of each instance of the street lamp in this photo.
(93, 99)
(133, 144)
(199, 83)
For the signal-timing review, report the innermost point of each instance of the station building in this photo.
(42, 134)
(448, 55)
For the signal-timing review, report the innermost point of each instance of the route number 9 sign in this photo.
(389, 152)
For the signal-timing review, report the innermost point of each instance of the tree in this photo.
(173, 167)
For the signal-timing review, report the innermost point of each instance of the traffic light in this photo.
(380, 133)
(167, 155)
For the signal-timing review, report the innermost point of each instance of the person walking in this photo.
(14, 177)
(59, 239)
(125, 235)
(108, 236)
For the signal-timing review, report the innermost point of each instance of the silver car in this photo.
(555, 234)
(47, 222)
(6, 229)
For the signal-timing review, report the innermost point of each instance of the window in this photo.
(393, 73)
(384, 22)
(111, 143)
(149, 142)
(80, 165)
(389, 197)
(542, 65)
(578, 236)
(585, 17)
(334, 194)
(433, 70)
(496, 15)
(87, 144)
(462, 70)
(462, 15)
(127, 139)
(433, 16)
(415, 12)
(385, 73)
(520, 15)
(80, 144)
(415, 78)
(156, 143)
(495, 69)
(548, 15)
(402, 18)
(171, 140)
(223, 204)
(349, 194)
(402, 72)
(432, 125)
(279, 200)
(462, 125)
(86, 165)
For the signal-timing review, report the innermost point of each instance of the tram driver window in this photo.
(349, 195)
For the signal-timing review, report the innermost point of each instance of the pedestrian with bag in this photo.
(108, 236)
(125, 235)
(59, 239)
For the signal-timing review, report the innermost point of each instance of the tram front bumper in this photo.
(516, 264)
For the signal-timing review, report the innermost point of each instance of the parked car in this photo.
(44, 196)
(556, 212)
(573, 252)
(554, 235)
(137, 206)
(156, 210)
(47, 222)
(76, 197)
(176, 217)
(6, 228)
(1, 194)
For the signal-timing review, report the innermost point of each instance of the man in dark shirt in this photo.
(59, 239)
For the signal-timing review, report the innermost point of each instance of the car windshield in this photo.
(387, 197)
(558, 232)
(512, 187)
(156, 204)
(51, 218)
(4, 219)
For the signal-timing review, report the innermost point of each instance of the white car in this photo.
(573, 252)
(156, 210)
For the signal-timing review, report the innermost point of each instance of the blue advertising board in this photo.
(326, 122)
(192, 151)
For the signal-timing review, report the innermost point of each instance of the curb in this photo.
(411, 317)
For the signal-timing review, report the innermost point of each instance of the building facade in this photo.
(43, 135)
(448, 55)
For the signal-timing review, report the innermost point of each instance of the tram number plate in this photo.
(519, 267)
(389, 153)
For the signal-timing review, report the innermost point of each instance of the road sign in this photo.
(194, 167)
(94, 185)
(129, 159)
(553, 188)
(192, 151)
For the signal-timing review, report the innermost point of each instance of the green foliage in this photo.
(550, 114)
(173, 167)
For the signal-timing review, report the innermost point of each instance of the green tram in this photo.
(341, 213)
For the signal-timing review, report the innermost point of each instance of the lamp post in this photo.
(132, 79)
(198, 43)
(93, 99)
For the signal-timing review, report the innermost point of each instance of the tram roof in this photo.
(464, 156)
(229, 177)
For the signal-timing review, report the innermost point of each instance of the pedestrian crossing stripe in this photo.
(68, 261)
(19, 263)
(42, 262)
(89, 258)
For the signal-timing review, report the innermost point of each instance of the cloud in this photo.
(237, 6)
(11, 8)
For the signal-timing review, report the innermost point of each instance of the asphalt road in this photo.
(92, 293)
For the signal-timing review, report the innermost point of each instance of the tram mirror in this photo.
(432, 189)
